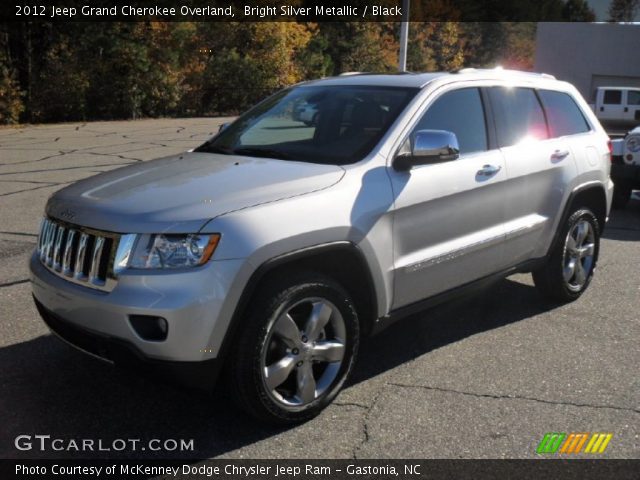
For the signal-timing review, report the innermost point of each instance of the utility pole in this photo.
(404, 36)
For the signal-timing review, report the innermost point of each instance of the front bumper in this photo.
(201, 375)
(195, 303)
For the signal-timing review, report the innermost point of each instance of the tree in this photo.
(578, 11)
(11, 105)
(435, 46)
(361, 46)
(247, 61)
(623, 10)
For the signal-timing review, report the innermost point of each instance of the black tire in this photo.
(259, 339)
(551, 279)
(621, 196)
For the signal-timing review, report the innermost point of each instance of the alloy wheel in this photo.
(303, 352)
(578, 255)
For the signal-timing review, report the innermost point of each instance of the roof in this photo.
(419, 80)
(400, 79)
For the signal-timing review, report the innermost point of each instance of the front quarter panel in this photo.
(354, 210)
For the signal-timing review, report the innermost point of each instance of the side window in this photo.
(612, 97)
(460, 112)
(633, 97)
(518, 115)
(563, 115)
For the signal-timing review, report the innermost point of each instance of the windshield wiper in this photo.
(261, 152)
(208, 148)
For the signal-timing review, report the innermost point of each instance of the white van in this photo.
(617, 105)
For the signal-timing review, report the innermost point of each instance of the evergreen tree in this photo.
(623, 10)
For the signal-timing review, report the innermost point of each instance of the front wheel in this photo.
(570, 267)
(296, 350)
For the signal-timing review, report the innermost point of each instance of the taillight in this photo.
(610, 145)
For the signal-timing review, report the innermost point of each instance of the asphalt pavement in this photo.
(482, 377)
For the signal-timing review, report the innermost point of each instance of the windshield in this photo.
(319, 124)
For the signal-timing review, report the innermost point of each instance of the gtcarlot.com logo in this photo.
(45, 443)
(574, 443)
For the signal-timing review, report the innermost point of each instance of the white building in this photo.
(590, 55)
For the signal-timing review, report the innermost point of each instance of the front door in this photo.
(448, 216)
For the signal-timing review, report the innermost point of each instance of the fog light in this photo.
(153, 329)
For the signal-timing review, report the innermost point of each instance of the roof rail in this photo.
(501, 69)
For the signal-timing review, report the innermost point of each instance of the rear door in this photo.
(632, 108)
(538, 169)
(447, 220)
(611, 107)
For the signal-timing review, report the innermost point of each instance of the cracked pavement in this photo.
(482, 377)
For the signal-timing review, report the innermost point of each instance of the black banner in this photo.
(320, 469)
(294, 10)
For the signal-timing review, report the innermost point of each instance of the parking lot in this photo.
(483, 377)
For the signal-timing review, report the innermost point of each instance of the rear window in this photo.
(612, 97)
(519, 116)
(563, 115)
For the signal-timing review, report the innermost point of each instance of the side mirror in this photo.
(223, 127)
(428, 146)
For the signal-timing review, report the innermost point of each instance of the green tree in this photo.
(11, 105)
(60, 85)
(623, 10)
(435, 46)
(247, 61)
(361, 46)
(578, 11)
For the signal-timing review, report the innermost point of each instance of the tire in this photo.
(570, 267)
(296, 350)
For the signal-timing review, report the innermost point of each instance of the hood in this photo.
(179, 194)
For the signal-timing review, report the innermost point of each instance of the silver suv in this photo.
(271, 249)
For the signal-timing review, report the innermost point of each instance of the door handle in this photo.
(559, 154)
(488, 170)
(626, 109)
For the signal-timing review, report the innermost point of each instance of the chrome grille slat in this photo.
(57, 248)
(78, 254)
(50, 243)
(43, 226)
(82, 251)
(96, 256)
(68, 250)
(48, 240)
(43, 238)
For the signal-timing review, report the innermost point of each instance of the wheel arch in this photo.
(591, 195)
(343, 261)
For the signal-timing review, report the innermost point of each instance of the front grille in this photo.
(78, 254)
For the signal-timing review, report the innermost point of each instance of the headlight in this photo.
(165, 250)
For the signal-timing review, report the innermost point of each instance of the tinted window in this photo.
(612, 97)
(518, 115)
(563, 115)
(321, 124)
(633, 97)
(459, 112)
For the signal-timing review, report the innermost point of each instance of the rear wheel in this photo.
(296, 351)
(571, 265)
